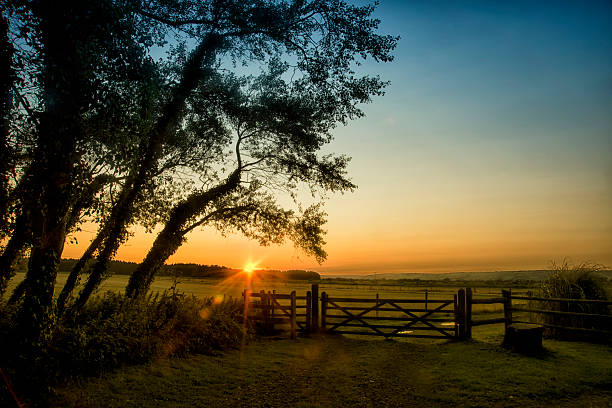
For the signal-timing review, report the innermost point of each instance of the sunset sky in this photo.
(492, 149)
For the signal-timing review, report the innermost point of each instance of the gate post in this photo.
(271, 296)
(456, 317)
(461, 312)
(315, 307)
(507, 294)
(246, 294)
(264, 309)
(468, 313)
(293, 314)
(308, 311)
(323, 311)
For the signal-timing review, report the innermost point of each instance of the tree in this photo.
(76, 57)
(113, 132)
(274, 30)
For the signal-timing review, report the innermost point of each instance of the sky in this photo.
(491, 150)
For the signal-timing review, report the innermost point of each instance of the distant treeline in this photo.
(516, 283)
(188, 270)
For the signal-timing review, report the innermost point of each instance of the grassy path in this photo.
(339, 372)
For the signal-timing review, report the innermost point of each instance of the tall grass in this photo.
(573, 281)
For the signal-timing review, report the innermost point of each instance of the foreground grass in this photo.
(333, 371)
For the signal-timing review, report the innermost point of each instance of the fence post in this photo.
(264, 309)
(507, 294)
(271, 297)
(461, 312)
(323, 311)
(308, 311)
(315, 307)
(246, 294)
(456, 314)
(468, 313)
(426, 294)
(377, 303)
(293, 315)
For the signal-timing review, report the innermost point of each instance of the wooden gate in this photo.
(425, 318)
(273, 309)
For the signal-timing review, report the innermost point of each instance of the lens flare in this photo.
(249, 268)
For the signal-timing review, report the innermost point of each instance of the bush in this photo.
(113, 330)
(569, 281)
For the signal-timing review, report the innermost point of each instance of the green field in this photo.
(357, 289)
(353, 371)
(365, 289)
(335, 371)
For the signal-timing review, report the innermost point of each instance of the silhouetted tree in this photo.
(102, 131)
(266, 32)
(73, 59)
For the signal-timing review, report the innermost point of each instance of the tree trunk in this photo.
(64, 77)
(18, 293)
(96, 274)
(166, 243)
(35, 314)
(20, 239)
(76, 271)
(122, 214)
(173, 235)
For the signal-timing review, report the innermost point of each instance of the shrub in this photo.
(569, 281)
(113, 330)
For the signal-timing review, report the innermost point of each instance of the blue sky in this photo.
(492, 148)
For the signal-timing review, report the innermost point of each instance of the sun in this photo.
(249, 268)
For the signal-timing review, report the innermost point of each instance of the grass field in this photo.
(334, 371)
(350, 371)
(234, 288)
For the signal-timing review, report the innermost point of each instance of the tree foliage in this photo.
(225, 130)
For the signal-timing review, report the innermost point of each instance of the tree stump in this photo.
(524, 338)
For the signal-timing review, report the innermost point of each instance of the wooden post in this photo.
(456, 314)
(271, 300)
(468, 313)
(315, 308)
(531, 304)
(246, 294)
(461, 312)
(323, 311)
(426, 294)
(308, 311)
(293, 315)
(377, 303)
(507, 294)
(264, 309)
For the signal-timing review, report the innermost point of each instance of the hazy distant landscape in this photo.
(529, 275)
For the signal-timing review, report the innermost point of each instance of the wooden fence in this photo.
(271, 309)
(536, 307)
(427, 318)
